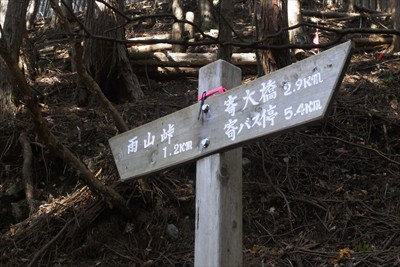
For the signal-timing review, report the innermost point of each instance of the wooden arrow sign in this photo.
(290, 97)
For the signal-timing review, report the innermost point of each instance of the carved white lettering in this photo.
(302, 83)
(133, 145)
(178, 148)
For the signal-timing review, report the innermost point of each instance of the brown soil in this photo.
(325, 195)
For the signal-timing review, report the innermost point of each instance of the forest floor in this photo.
(324, 195)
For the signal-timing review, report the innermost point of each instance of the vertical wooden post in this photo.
(218, 234)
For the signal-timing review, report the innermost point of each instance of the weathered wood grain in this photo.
(302, 95)
(218, 233)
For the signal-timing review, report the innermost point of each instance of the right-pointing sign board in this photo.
(290, 97)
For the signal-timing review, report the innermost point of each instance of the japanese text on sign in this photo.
(134, 144)
(265, 116)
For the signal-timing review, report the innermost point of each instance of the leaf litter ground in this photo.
(326, 195)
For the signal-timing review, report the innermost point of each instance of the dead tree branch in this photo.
(209, 40)
(112, 197)
(90, 83)
(340, 34)
(329, 14)
(45, 247)
(27, 170)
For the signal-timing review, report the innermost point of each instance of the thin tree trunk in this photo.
(189, 29)
(351, 6)
(294, 18)
(297, 35)
(273, 19)
(66, 9)
(27, 171)
(205, 14)
(112, 197)
(395, 47)
(32, 13)
(225, 32)
(12, 21)
(177, 28)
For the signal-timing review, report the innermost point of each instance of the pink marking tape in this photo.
(218, 90)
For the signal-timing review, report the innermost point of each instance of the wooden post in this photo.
(283, 100)
(286, 99)
(218, 234)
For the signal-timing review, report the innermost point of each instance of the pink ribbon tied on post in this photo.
(219, 90)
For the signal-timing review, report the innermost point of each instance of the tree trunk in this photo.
(32, 13)
(108, 61)
(205, 14)
(66, 10)
(42, 127)
(189, 29)
(351, 6)
(225, 32)
(294, 18)
(395, 47)
(273, 19)
(329, 2)
(177, 28)
(297, 35)
(80, 5)
(12, 21)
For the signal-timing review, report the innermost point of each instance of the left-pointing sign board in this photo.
(290, 97)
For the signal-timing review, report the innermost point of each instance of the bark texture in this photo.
(177, 28)
(273, 18)
(225, 32)
(12, 21)
(112, 197)
(91, 85)
(32, 13)
(205, 14)
(27, 170)
(296, 36)
(108, 61)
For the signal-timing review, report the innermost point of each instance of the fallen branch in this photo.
(149, 48)
(112, 197)
(45, 247)
(372, 42)
(372, 11)
(329, 14)
(27, 170)
(187, 59)
(176, 62)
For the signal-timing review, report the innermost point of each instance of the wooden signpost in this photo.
(218, 232)
(293, 96)
(288, 98)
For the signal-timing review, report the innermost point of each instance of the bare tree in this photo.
(107, 60)
(273, 19)
(12, 21)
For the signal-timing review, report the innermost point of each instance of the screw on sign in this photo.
(290, 97)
